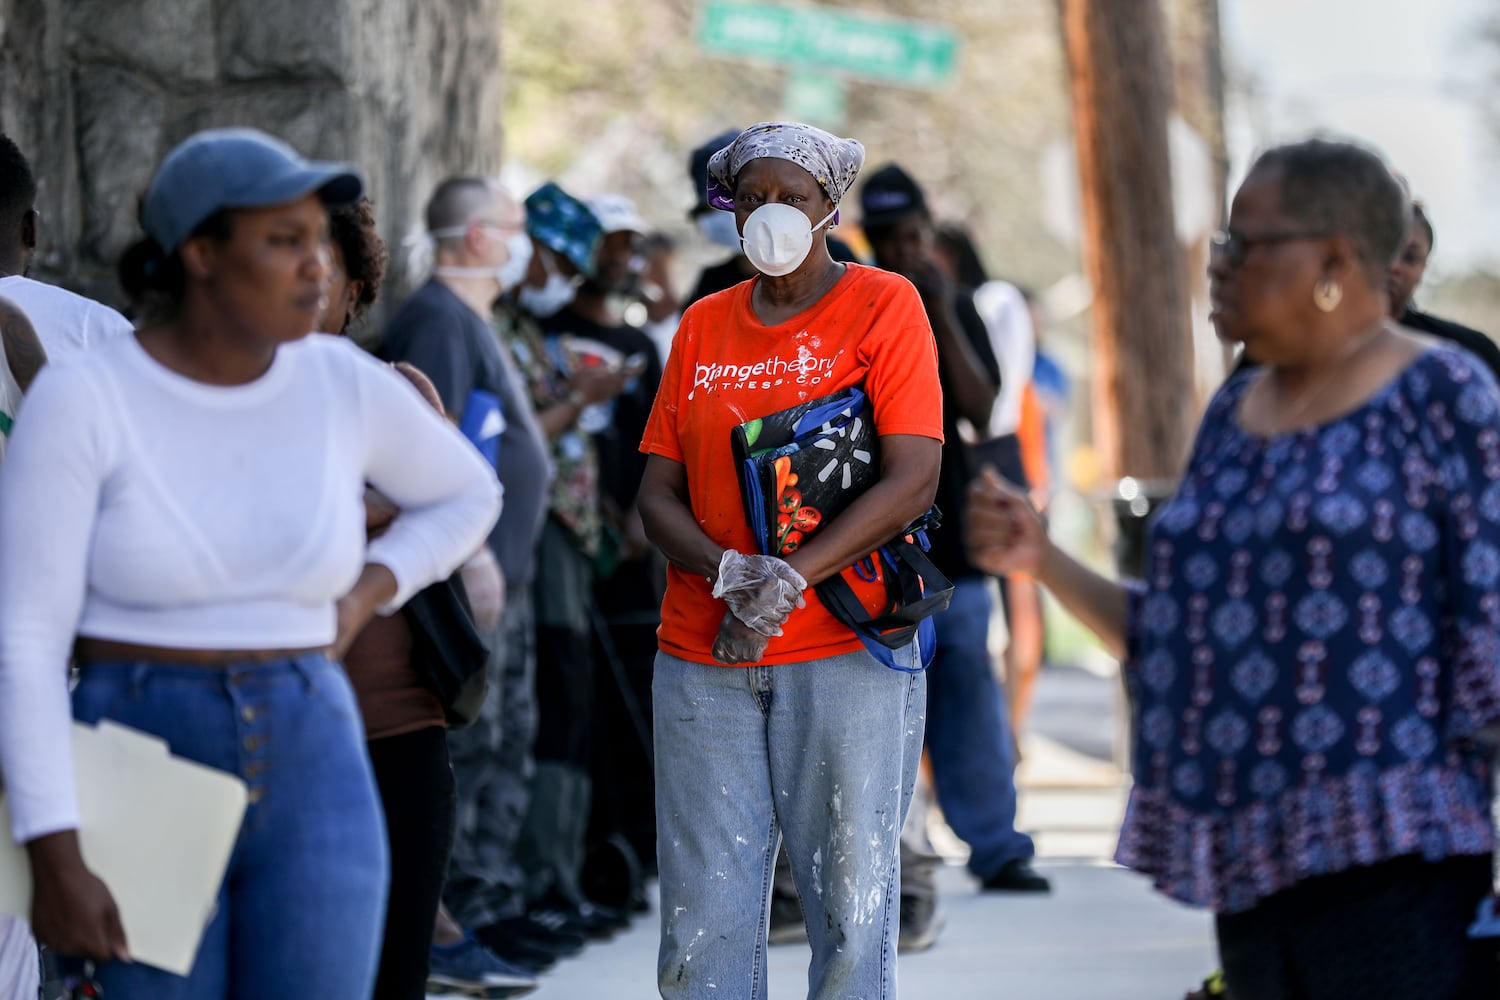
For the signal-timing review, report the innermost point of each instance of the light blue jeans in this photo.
(824, 753)
(302, 909)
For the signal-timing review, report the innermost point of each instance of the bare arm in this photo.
(1006, 535)
(964, 375)
(669, 522)
(23, 349)
(589, 386)
(1094, 599)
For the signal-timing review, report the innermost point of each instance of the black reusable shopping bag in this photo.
(801, 467)
(448, 652)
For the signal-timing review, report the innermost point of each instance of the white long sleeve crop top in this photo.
(142, 506)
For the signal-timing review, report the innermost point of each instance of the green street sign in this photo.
(814, 98)
(888, 49)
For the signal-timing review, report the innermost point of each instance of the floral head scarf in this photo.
(833, 161)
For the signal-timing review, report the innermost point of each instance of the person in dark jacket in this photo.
(1406, 274)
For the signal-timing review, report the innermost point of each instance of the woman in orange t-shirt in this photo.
(816, 741)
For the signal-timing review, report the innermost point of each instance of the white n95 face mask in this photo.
(777, 238)
(518, 259)
(510, 274)
(552, 296)
(719, 229)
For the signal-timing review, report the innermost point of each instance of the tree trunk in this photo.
(1144, 402)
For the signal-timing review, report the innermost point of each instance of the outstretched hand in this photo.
(1005, 534)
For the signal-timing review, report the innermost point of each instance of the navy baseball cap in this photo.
(698, 167)
(889, 196)
(235, 168)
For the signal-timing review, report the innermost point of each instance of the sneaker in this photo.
(589, 919)
(549, 931)
(787, 925)
(529, 956)
(1017, 875)
(470, 969)
(922, 921)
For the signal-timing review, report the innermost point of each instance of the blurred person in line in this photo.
(65, 322)
(479, 249)
(187, 584)
(21, 357)
(593, 318)
(605, 535)
(1311, 656)
(816, 739)
(1053, 392)
(565, 236)
(718, 229)
(1403, 281)
(405, 725)
(653, 288)
(999, 443)
(629, 583)
(969, 741)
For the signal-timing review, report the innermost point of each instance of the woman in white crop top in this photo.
(180, 511)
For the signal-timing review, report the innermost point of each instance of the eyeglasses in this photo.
(1235, 247)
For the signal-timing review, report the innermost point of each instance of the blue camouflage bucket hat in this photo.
(565, 224)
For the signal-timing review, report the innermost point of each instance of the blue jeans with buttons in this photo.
(302, 907)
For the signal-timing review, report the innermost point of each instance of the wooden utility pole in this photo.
(1143, 373)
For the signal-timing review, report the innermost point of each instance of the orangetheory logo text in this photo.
(775, 370)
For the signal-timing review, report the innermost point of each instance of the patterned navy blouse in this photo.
(1318, 641)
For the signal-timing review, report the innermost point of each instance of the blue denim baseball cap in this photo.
(235, 168)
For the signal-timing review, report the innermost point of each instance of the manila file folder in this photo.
(157, 829)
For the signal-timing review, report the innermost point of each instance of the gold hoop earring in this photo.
(1327, 294)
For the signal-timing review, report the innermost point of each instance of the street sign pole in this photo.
(815, 98)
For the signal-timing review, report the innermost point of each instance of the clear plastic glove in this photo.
(761, 591)
(738, 642)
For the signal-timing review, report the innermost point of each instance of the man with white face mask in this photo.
(575, 371)
(481, 250)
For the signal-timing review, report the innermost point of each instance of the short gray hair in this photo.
(1344, 189)
(458, 200)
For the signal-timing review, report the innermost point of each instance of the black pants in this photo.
(1392, 931)
(416, 789)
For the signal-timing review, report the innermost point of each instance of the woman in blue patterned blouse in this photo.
(1314, 655)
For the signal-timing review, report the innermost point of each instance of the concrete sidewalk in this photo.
(1103, 933)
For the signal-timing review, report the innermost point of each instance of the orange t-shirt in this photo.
(726, 367)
